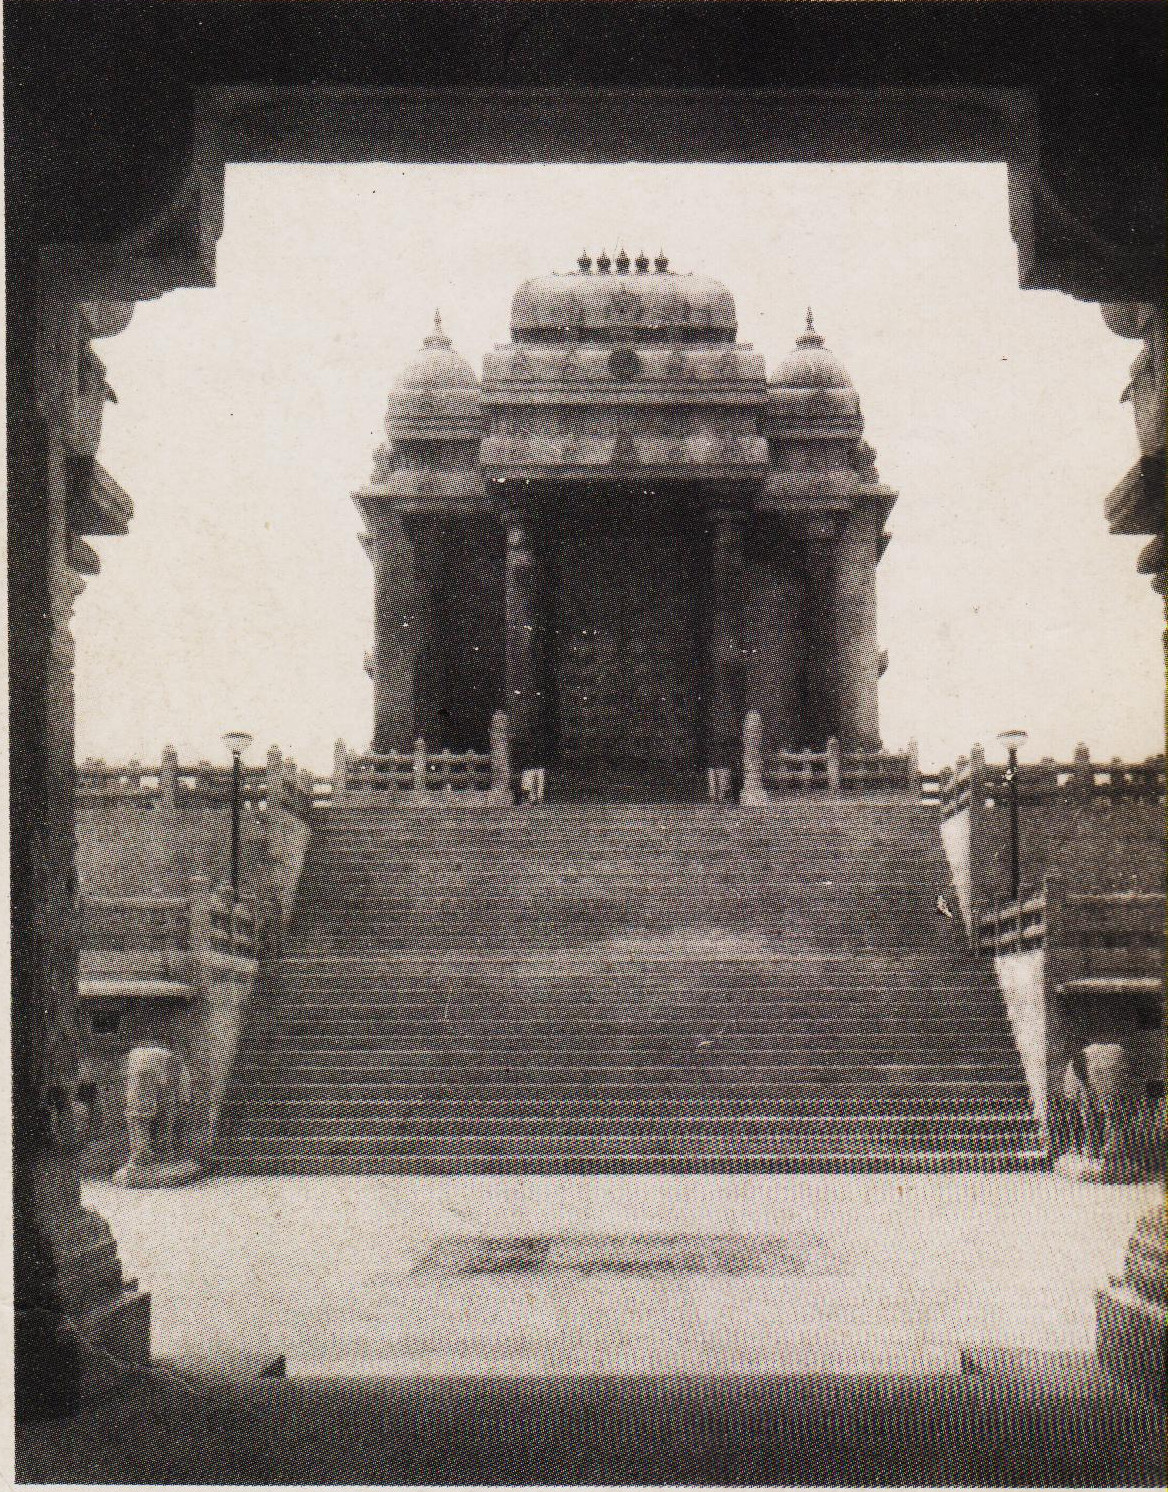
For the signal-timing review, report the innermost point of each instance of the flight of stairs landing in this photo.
(626, 987)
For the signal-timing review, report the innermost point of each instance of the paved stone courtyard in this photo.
(406, 1276)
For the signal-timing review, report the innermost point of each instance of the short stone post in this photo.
(913, 772)
(753, 794)
(978, 847)
(274, 792)
(1084, 774)
(834, 765)
(201, 896)
(340, 772)
(1055, 893)
(168, 780)
(500, 790)
(419, 770)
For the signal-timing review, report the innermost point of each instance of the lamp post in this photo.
(237, 742)
(1012, 740)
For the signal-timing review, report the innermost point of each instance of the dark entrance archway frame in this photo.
(121, 120)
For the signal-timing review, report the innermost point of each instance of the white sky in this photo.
(247, 414)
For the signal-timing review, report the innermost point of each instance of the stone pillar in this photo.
(1084, 779)
(396, 625)
(524, 650)
(726, 667)
(340, 771)
(834, 767)
(500, 790)
(981, 873)
(819, 712)
(168, 781)
(856, 651)
(65, 1262)
(753, 794)
(420, 790)
(913, 771)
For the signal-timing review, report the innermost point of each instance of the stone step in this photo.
(639, 1163)
(596, 1145)
(316, 1036)
(629, 1089)
(534, 1109)
(976, 1128)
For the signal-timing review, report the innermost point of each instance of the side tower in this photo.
(437, 560)
(819, 537)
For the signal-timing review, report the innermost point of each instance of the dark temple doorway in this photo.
(625, 655)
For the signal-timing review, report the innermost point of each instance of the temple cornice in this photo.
(624, 456)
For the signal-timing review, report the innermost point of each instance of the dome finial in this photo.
(437, 337)
(585, 262)
(810, 337)
(622, 261)
(438, 320)
(661, 263)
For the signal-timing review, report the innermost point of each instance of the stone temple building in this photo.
(626, 535)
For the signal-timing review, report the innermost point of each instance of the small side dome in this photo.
(811, 365)
(436, 397)
(437, 366)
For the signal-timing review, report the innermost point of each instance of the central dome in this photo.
(603, 306)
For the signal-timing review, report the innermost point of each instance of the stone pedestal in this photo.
(524, 641)
(726, 668)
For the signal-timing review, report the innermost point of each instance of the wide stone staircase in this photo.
(626, 987)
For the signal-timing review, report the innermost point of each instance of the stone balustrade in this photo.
(209, 920)
(973, 780)
(1077, 967)
(1108, 924)
(422, 777)
(830, 772)
(171, 785)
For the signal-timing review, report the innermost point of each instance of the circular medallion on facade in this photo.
(624, 363)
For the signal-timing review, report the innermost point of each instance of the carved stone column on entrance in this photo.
(525, 664)
(857, 651)
(395, 634)
(65, 1259)
(726, 672)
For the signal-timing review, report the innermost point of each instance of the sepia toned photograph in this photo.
(587, 779)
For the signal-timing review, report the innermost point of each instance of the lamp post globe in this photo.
(237, 742)
(1012, 740)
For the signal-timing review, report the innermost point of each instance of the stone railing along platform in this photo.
(177, 968)
(422, 777)
(831, 772)
(974, 780)
(1076, 968)
(173, 785)
(210, 920)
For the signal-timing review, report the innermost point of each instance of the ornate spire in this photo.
(642, 263)
(661, 262)
(622, 262)
(437, 337)
(809, 338)
(603, 262)
(585, 262)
